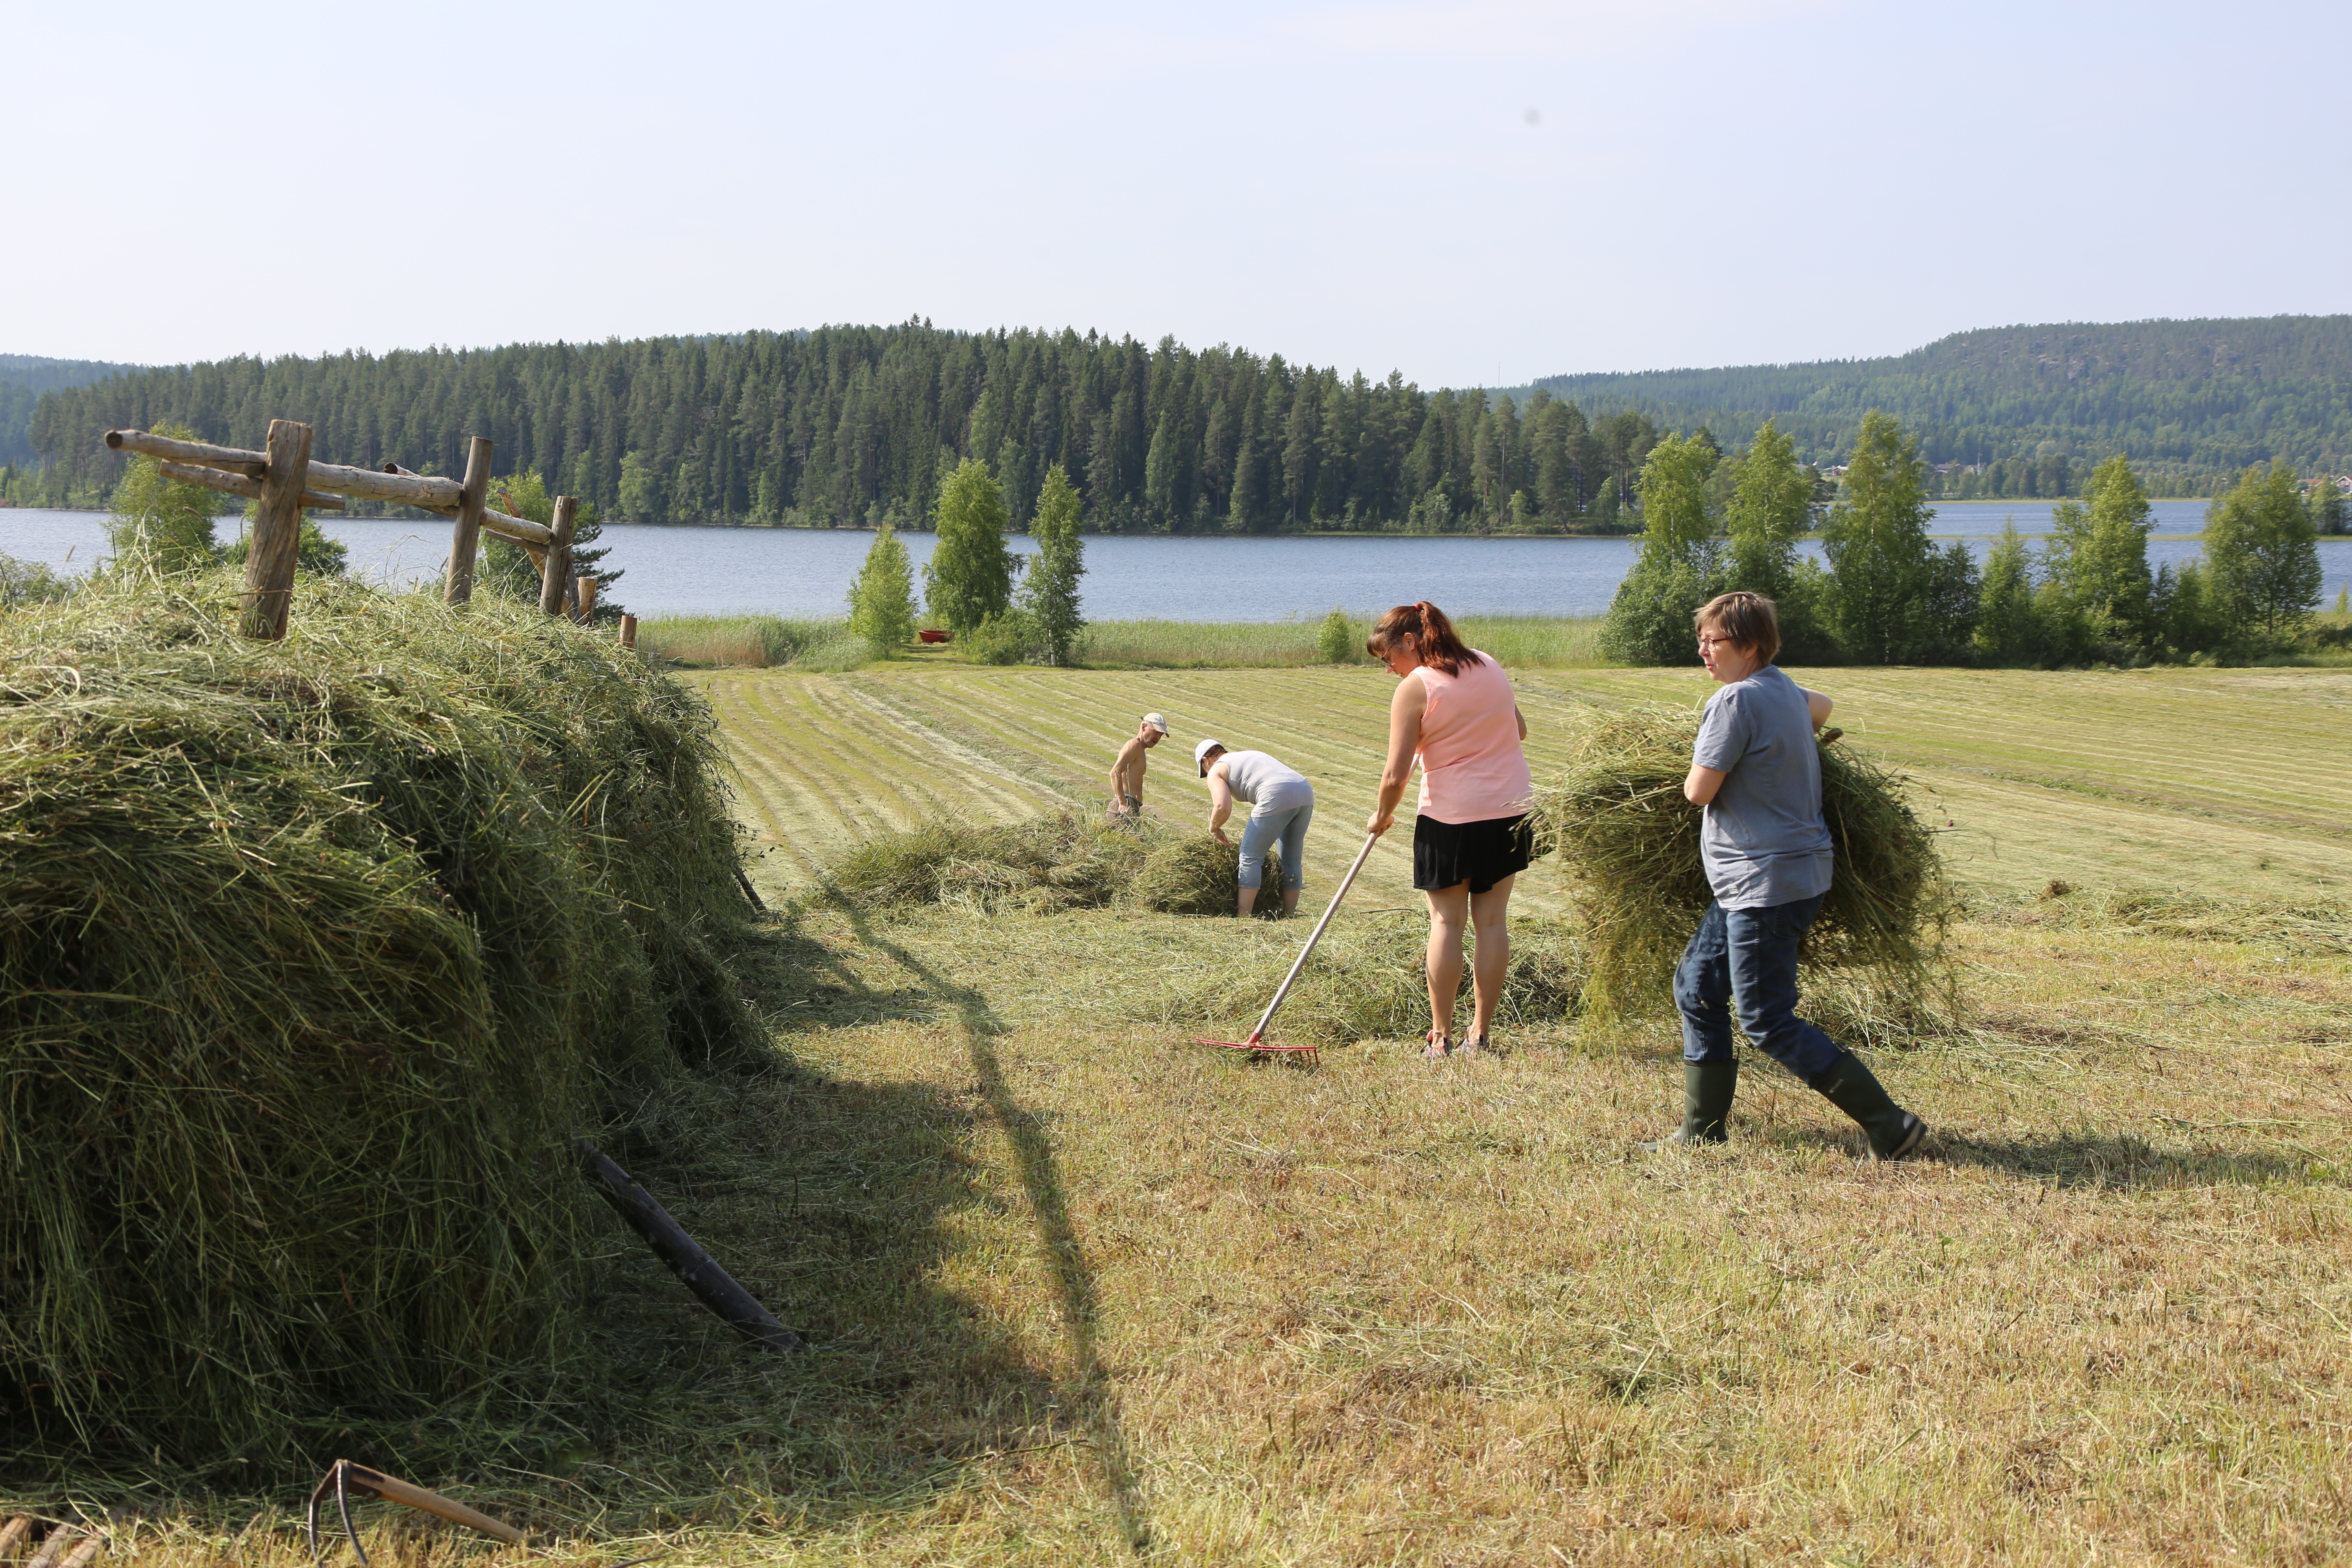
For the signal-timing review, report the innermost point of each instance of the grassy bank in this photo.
(763, 642)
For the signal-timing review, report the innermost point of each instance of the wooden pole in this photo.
(694, 1268)
(557, 567)
(629, 632)
(277, 531)
(583, 593)
(466, 537)
(238, 485)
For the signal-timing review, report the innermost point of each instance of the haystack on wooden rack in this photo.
(285, 481)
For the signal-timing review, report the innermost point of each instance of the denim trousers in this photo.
(1749, 957)
(1262, 830)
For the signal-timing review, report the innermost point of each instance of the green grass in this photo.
(762, 642)
(750, 642)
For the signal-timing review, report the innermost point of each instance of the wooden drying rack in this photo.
(286, 481)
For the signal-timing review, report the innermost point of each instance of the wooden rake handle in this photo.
(1292, 978)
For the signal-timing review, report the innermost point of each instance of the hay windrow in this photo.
(1049, 863)
(1627, 842)
(314, 954)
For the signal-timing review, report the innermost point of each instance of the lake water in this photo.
(807, 572)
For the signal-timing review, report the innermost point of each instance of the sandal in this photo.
(1439, 1044)
(1476, 1046)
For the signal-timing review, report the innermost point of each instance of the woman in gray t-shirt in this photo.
(1281, 803)
(1756, 770)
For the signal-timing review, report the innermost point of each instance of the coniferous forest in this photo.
(852, 425)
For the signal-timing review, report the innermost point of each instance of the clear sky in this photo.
(1471, 194)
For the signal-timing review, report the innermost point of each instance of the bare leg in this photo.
(1248, 902)
(1289, 901)
(1449, 909)
(1492, 961)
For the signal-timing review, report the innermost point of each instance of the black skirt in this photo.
(1448, 853)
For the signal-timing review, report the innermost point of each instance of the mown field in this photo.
(1083, 1291)
(2222, 781)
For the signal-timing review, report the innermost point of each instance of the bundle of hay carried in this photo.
(1627, 842)
(316, 955)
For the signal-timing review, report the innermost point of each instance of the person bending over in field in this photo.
(1455, 711)
(1281, 803)
(1127, 773)
(1756, 769)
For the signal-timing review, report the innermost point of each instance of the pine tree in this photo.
(2261, 554)
(882, 600)
(1880, 557)
(970, 574)
(1649, 619)
(1049, 589)
(2097, 562)
(2329, 515)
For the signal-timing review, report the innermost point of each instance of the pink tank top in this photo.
(1472, 768)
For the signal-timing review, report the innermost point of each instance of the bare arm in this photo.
(1523, 721)
(1700, 787)
(1221, 803)
(1404, 738)
(1819, 706)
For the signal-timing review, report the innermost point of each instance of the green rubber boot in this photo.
(1893, 1133)
(1707, 1088)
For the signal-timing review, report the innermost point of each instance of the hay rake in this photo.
(1256, 1044)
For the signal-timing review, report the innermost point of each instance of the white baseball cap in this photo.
(1201, 755)
(1157, 722)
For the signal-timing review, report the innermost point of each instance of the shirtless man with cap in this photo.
(1127, 773)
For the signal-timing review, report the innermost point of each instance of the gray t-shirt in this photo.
(1764, 841)
(1265, 783)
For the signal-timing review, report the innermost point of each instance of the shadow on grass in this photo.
(1041, 1182)
(2117, 1160)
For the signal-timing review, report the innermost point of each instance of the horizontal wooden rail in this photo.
(403, 489)
(252, 465)
(237, 484)
(521, 529)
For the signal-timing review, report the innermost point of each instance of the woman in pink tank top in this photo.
(1455, 710)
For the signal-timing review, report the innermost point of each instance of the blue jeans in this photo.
(1259, 833)
(1750, 956)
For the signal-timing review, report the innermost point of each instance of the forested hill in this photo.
(846, 425)
(2185, 400)
(23, 379)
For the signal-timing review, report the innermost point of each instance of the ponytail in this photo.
(1439, 642)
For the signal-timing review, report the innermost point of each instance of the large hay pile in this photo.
(1192, 874)
(315, 953)
(1629, 842)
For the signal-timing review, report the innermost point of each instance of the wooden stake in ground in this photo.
(277, 532)
(555, 571)
(629, 632)
(467, 536)
(583, 593)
